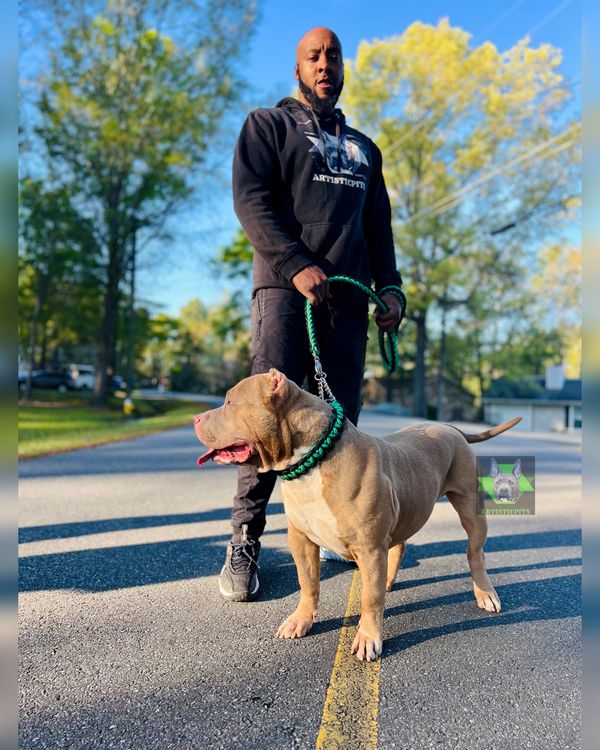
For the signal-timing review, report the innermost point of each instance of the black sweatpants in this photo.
(280, 340)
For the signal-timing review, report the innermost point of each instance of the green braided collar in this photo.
(320, 449)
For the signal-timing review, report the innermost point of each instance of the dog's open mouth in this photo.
(237, 453)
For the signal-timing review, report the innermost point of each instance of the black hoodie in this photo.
(310, 191)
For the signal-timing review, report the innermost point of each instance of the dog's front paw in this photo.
(365, 647)
(488, 600)
(295, 626)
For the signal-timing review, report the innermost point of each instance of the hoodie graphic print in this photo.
(310, 191)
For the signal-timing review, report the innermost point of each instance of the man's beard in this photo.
(325, 107)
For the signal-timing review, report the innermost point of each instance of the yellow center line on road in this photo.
(351, 710)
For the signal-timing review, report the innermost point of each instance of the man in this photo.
(310, 195)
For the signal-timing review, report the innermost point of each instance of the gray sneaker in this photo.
(238, 581)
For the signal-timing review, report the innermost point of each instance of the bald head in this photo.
(319, 69)
(315, 38)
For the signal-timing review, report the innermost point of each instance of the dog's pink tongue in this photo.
(207, 456)
(234, 454)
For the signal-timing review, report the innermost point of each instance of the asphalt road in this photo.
(125, 642)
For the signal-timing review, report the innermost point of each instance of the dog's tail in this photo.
(489, 433)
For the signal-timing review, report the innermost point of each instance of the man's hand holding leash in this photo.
(391, 319)
(312, 282)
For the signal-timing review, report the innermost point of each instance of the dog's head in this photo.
(506, 486)
(253, 425)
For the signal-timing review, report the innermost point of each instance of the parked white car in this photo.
(83, 375)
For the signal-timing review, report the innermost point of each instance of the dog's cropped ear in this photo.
(517, 468)
(278, 385)
(494, 470)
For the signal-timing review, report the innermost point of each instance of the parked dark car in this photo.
(60, 381)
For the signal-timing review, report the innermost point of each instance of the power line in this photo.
(559, 149)
(455, 199)
(554, 12)
(426, 182)
(451, 200)
(501, 18)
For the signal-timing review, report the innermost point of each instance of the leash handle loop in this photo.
(388, 341)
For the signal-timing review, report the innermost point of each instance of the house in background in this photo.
(546, 403)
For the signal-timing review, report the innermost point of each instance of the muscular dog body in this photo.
(363, 501)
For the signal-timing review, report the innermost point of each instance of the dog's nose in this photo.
(198, 418)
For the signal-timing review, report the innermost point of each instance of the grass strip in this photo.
(47, 427)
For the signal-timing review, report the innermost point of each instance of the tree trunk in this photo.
(420, 399)
(44, 347)
(131, 320)
(441, 406)
(32, 341)
(108, 330)
(480, 377)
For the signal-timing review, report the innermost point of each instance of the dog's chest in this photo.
(306, 508)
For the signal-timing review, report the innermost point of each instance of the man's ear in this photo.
(296, 71)
(278, 385)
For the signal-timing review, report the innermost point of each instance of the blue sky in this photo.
(185, 275)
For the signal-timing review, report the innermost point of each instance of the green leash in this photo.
(389, 354)
(388, 341)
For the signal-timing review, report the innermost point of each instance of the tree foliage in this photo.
(205, 349)
(234, 261)
(127, 114)
(480, 159)
(59, 261)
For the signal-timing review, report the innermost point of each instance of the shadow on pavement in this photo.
(562, 563)
(133, 565)
(83, 528)
(526, 601)
(111, 568)
(504, 543)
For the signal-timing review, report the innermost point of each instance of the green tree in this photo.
(234, 261)
(128, 115)
(58, 265)
(207, 348)
(157, 357)
(556, 291)
(480, 159)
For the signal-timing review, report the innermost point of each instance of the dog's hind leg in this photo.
(476, 527)
(394, 559)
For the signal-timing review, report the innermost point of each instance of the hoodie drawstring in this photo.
(338, 133)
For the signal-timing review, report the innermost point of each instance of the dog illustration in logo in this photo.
(341, 157)
(506, 486)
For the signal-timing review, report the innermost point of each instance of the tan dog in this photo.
(363, 500)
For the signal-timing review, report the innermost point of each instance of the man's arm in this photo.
(377, 226)
(256, 186)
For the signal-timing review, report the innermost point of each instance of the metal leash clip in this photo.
(322, 386)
